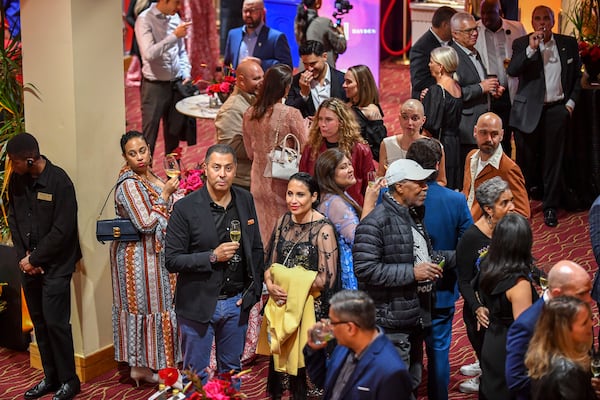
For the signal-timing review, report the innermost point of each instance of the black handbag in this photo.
(117, 229)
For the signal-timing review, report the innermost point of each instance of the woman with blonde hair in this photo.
(363, 94)
(335, 127)
(442, 104)
(558, 356)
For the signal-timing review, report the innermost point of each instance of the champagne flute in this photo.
(171, 166)
(371, 178)
(595, 364)
(235, 233)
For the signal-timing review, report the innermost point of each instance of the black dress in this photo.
(443, 112)
(493, 354)
(312, 245)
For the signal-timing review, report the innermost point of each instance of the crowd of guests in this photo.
(373, 238)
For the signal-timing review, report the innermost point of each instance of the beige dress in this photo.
(259, 140)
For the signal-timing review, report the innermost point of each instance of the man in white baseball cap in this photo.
(392, 262)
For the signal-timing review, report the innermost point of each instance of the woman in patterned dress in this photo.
(334, 174)
(144, 322)
(302, 237)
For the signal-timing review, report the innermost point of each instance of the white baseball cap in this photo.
(404, 169)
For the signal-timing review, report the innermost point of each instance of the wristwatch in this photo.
(212, 257)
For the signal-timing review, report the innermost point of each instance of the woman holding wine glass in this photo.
(334, 174)
(144, 326)
(558, 358)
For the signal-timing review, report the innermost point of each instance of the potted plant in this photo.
(584, 15)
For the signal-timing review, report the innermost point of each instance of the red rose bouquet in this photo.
(226, 386)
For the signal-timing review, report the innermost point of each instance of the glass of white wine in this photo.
(235, 233)
(171, 166)
(595, 364)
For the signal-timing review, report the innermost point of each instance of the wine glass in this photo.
(171, 166)
(371, 178)
(235, 233)
(595, 364)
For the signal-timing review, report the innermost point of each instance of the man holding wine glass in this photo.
(213, 243)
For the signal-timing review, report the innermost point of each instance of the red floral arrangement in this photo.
(589, 52)
(225, 86)
(190, 179)
(224, 386)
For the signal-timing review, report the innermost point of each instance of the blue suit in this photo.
(271, 47)
(447, 217)
(380, 373)
(517, 340)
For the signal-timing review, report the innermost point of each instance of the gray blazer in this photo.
(475, 102)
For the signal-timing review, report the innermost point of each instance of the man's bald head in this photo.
(567, 278)
(249, 75)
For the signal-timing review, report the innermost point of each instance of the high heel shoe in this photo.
(143, 374)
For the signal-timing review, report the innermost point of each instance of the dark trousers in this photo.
(475, 336)
(540, 153)
(502, 107)
(49, 303)
(158, 102)
(410, 348)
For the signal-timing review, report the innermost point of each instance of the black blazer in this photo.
(529, 100)
(475, 102)
(307, 107)
(420, 76)
(191, 235)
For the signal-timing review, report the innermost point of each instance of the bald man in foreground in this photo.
(565, 278)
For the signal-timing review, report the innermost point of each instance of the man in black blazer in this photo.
(214, 292)
(549, 72)
(317, 82)
(438, 35)
(477, 89)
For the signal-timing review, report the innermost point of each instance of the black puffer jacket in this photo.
(384, 265)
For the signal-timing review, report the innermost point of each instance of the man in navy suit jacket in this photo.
(438, 35)
(214, 293)
(565, 278)
(255, 39)
(549, 72)
(317, 82)
(364, 364)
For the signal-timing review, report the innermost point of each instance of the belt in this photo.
(224, 295)
(554, 103)
(162, 82)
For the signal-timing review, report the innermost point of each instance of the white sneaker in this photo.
(471, 385)
(471, 369)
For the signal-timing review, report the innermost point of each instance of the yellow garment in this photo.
(284, 328)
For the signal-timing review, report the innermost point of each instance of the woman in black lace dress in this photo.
(304, 238)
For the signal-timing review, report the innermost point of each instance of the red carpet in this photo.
(569, 240)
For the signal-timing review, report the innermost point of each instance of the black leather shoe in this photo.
(68, 390)
(535, 193)
(42, 388)
(550, 217)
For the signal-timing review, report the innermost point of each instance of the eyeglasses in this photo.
(330, 322)
(250, 10)
(468, 31)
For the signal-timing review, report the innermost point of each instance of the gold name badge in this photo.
(44, 196)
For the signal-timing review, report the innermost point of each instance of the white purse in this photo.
(284, 161)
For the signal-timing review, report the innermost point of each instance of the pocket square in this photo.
(363, 389)
(569, 61)
(251, 221)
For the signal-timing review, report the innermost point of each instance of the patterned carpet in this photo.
(569, 240)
